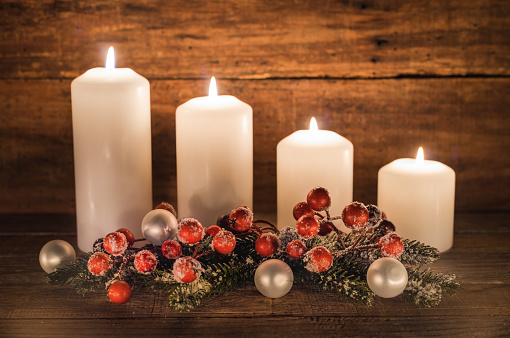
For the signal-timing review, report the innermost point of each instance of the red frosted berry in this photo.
(384, 228)
(115, 243)
(355, 215)
(212, 231)
(326, 228)
(318, 199)
(318, 259)
(145, 261)
(307, 226)
(241, 218)
(119, 292)
(267, 244)
(171, 249)
(391, 245)
(302, 209)
(166, 206)
(129, 236)
(374, 216)
(190, 231)
(224, 242)
(296, 249)
(99, 264)
(186, 269)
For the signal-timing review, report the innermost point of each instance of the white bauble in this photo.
(158, 226)
(56, 254)
(387, 277)
(274, 278)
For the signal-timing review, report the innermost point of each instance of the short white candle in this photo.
(112, 151)
(311, 158)
(214, 142)
(418, 196)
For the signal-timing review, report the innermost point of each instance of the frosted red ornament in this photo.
(318, 259)
(307, 226)
(267, 244)
(129, 236)
(241, 218)
(186, 269)
(99, 264)
(115, 243)
(355, 215)
(296, 249)
(318, 199)
(171, 249)
(391, 245)
(190, 231)
(302, 209)
(212, 231)
(145, 261)
(224, 242)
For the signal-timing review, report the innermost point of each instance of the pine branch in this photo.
(426, 287)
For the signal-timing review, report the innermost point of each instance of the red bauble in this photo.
(168, 207)
(145, 261)
(186, 269)
(115, 243)
(391, 245)
(224, 242)
(129, 236)
(212, 230)
(99, 264)
(302, 209)
(355, 215)
(296, 249)
(267, 244)
(190, 231)
(307, 226)
(318, 199)
(318, 259)
(171, 249)
(241, 218)
(119, 292)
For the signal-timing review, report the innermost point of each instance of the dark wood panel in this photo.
(461, 122)
(256, 39)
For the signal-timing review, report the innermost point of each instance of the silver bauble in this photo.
(56, 254)
(274, 278)
(158, 226)
(387, 277)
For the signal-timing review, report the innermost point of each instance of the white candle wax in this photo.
(112, 151)
(214, 142)
(311, 158)
(418, 196)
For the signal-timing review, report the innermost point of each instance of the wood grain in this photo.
(460, 122)
(256, 39)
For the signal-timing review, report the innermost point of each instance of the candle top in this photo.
(315, 138)
(418, 165)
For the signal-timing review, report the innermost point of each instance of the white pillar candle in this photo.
(112, 151)
(311, 158)
(418, 196)
(214, 142)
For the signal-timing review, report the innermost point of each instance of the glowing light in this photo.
(420, 157)
(110, 59)
(213, 91)
(313, 124)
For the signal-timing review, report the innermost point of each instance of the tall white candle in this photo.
(311, 158)
(214, 141)
(112, 151)
(418, 196)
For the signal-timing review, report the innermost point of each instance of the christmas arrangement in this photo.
(186, 262)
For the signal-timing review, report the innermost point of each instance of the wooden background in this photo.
(389, 75)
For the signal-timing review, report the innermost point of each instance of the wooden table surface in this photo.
(480, 258)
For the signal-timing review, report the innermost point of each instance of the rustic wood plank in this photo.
(460, 122)
(256, 39)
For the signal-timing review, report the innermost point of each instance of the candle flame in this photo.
(420, 157)
(213, 91)
(110, 59)
(313, 124)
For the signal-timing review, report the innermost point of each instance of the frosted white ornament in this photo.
(56, 254)
(274, 278)
(387, 277)
(158, 226)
